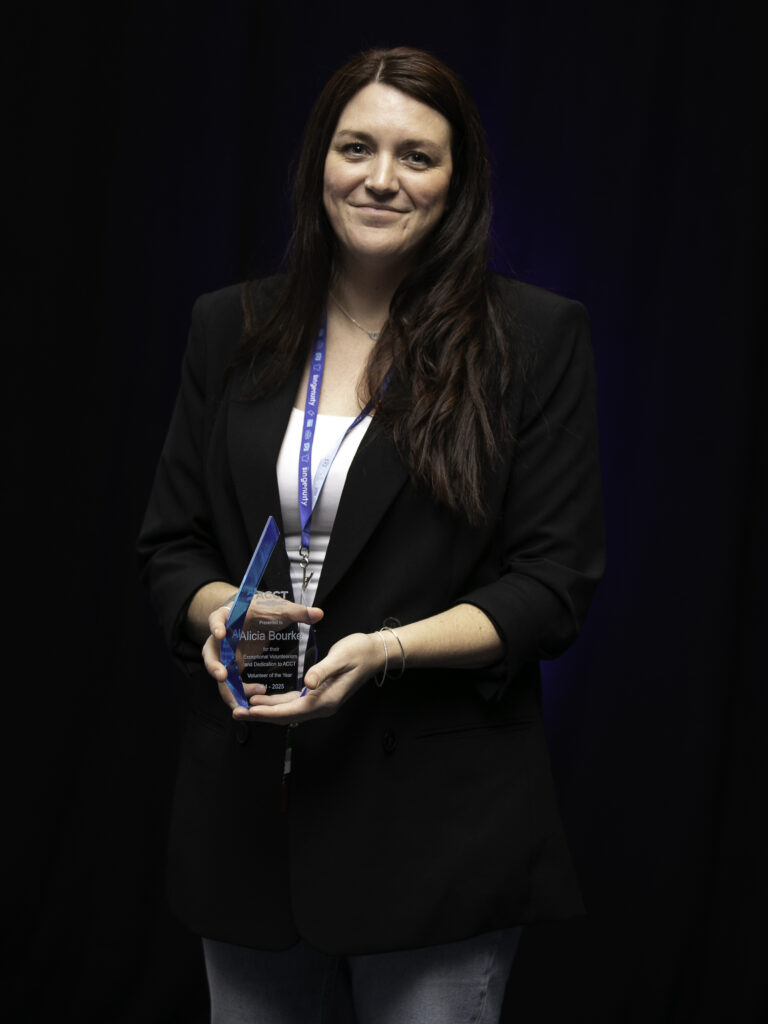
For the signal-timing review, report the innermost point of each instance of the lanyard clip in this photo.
(304, 562)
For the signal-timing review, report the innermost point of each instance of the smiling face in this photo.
(387, 174)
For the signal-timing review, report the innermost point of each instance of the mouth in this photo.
(377, 208)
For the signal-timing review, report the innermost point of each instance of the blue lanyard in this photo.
(310, 488)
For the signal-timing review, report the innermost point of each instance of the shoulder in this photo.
(538, 312)
(218, 319)
(554, 334)
(222, 309)
(219, 307)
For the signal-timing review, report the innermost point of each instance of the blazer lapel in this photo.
(374, 479)
(255, 433)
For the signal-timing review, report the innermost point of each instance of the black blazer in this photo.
(424, 810)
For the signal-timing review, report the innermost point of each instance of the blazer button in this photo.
(389, 741)
(242, 732)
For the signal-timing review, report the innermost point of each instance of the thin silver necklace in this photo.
(373, 335)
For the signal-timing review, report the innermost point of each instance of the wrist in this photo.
(391, 654)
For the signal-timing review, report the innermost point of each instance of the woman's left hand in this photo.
(349, 663)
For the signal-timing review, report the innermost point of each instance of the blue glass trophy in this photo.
(260, 646)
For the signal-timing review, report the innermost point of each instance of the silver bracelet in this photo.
(380, 682)
(402, 650)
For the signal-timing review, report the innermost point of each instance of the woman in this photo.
(400, 833)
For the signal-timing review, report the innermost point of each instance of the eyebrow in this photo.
(404, 144)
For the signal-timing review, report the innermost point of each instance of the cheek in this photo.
(329, 180)
(437, 201)
(330, 196)
(434, 198)
(326, 187)
(337, 179)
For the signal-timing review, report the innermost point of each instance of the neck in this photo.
(366, 291)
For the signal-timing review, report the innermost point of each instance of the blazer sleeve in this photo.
(553, 544)
(176, 549)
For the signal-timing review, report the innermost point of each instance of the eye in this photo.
(354, 149)
(418, 159)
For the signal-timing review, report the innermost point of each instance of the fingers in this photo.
(214, 667)
(355, 658)
(328, 684)
(311, 615)
(289, 708)
(280, 612)
(271, 609)
(318, 674)
(211, 659)
(217, 622)
(296, 706)
(272, 699)
(229, 699)
(277, 708)
(327, 669)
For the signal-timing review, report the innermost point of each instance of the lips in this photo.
(376, 208)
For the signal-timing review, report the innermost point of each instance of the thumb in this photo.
(312, 615)
(316, 675)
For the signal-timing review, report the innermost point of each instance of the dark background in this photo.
(155, 145)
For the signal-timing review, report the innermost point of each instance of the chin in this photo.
(371, 249)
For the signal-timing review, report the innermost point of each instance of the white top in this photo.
(328, 430)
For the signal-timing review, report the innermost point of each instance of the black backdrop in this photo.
(156, 144)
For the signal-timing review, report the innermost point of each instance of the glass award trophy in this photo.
(259, 647)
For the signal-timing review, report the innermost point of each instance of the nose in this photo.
(382, 176)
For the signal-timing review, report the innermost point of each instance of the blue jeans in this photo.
(456, 983)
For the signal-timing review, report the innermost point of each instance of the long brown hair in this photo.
(447, 349)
